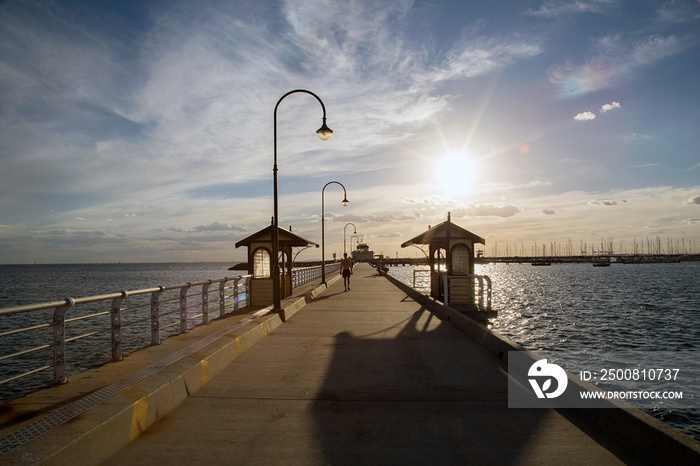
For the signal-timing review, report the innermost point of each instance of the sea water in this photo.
(38, 283)
(578, 308)
(34, 284)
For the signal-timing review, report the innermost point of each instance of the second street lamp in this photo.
(323, 227)
(345, 234)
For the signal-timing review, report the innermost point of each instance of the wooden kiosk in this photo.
(451, 252)
(260, 263)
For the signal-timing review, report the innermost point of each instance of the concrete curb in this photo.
(648, 437)
(99, 432)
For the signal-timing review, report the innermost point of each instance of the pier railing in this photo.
(48, 336)
(468, 289)
(303, 275)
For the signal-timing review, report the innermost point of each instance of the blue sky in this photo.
(143, 131)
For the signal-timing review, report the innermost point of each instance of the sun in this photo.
(455, 172)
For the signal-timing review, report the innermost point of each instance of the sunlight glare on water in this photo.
(578, 308)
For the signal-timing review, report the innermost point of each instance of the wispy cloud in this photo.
(674, 12)
(603, 203)
(216, 226)
(556, 9)
(489, 210)
(377, 218)
(478, 56)
(617, 58)
(395, 234)
(65, 237)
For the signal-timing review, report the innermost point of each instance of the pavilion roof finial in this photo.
(449, 216)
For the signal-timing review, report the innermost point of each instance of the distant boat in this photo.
(601, 262)
(541, 262)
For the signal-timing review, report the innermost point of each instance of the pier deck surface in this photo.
(367, 376)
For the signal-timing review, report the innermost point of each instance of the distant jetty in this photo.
(595, 259)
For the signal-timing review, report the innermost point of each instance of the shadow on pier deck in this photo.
(368, 376)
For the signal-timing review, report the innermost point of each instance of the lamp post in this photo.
(344, 233)
(323, 227)
(356, 237)
(324, 132)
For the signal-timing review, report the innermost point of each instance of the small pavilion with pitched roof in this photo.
(451, 252)
(260, 263)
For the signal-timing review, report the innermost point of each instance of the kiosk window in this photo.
(460, 260)
(261, 263)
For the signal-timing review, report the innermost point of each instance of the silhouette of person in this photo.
(346, 270)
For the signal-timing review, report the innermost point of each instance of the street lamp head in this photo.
(345, 201)
(324, 132)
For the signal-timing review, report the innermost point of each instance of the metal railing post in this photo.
(205, 302)
(183, 307)
(235, 293)
(116, 313)
(222, 298)
(59, 341)
(247, 290)
(155, 316)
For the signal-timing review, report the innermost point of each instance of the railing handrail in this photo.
(103, 297)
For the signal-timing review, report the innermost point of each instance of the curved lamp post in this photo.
(324, 132)
(323, 227)
(356, 237)
(345, 234)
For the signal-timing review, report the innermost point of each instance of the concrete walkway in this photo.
(367, 376)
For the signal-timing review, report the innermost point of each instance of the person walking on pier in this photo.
(346, 270)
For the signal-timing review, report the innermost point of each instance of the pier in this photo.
(375, 375)
(399, 261)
